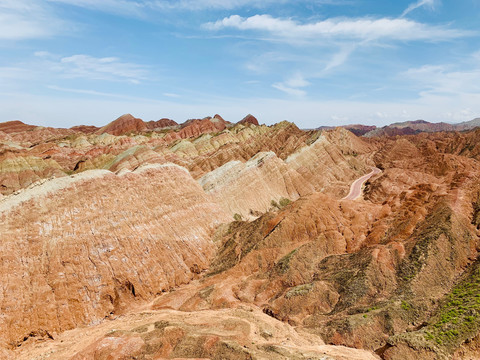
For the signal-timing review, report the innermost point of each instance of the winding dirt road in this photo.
(356, 187)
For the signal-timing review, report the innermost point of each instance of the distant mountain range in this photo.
(407, 128)
(194, 127)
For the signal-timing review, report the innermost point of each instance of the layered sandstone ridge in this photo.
(332, 160)
(253, 187)
(250, 188)
(92, 244)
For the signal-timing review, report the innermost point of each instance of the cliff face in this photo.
(92, 245)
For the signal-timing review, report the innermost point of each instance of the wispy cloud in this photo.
(445, 79)
(140, 7)
(454, 87)
(27, 19)
(289, 90)
(119, 7)
(297, 80)
(293, 85)
(339, 58)
(48, 67)
(105, 68)
(420, 3)
(171, 95)
(340, 28)
(85, 92)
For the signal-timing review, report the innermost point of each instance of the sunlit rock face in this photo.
(77, 249)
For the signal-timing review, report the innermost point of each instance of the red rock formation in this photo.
(15, 126)
(197, 127)
(218, 117)
(123, 125)
(87, 129)
(160, 124)
(97, 243)
(38, 135)
(249, 119)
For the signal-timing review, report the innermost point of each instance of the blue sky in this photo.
(317, 62)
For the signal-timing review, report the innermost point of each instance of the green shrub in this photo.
(284, 202)
(273, 203)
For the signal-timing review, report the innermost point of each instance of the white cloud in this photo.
(340, 28)
(106, 68)
(339, 58)
(171, 95)
(27, 19)
(420, 3)
(292, 86)
(444, 79)
(289, 90)
(297, 81)
(43, 54)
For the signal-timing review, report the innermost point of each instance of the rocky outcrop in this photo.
(123, 125)
(249, 119)
(15, 126)
(160, 124)
(197, 127)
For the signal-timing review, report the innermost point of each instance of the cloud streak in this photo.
(140, 7)
(366, 29)
(118, 7)
(418, 4)
(293, 85)
(106, 68)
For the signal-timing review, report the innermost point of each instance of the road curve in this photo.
(356, 187)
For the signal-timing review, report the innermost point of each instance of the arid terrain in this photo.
(219, 240)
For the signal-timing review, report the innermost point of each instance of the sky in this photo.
(316, 62)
